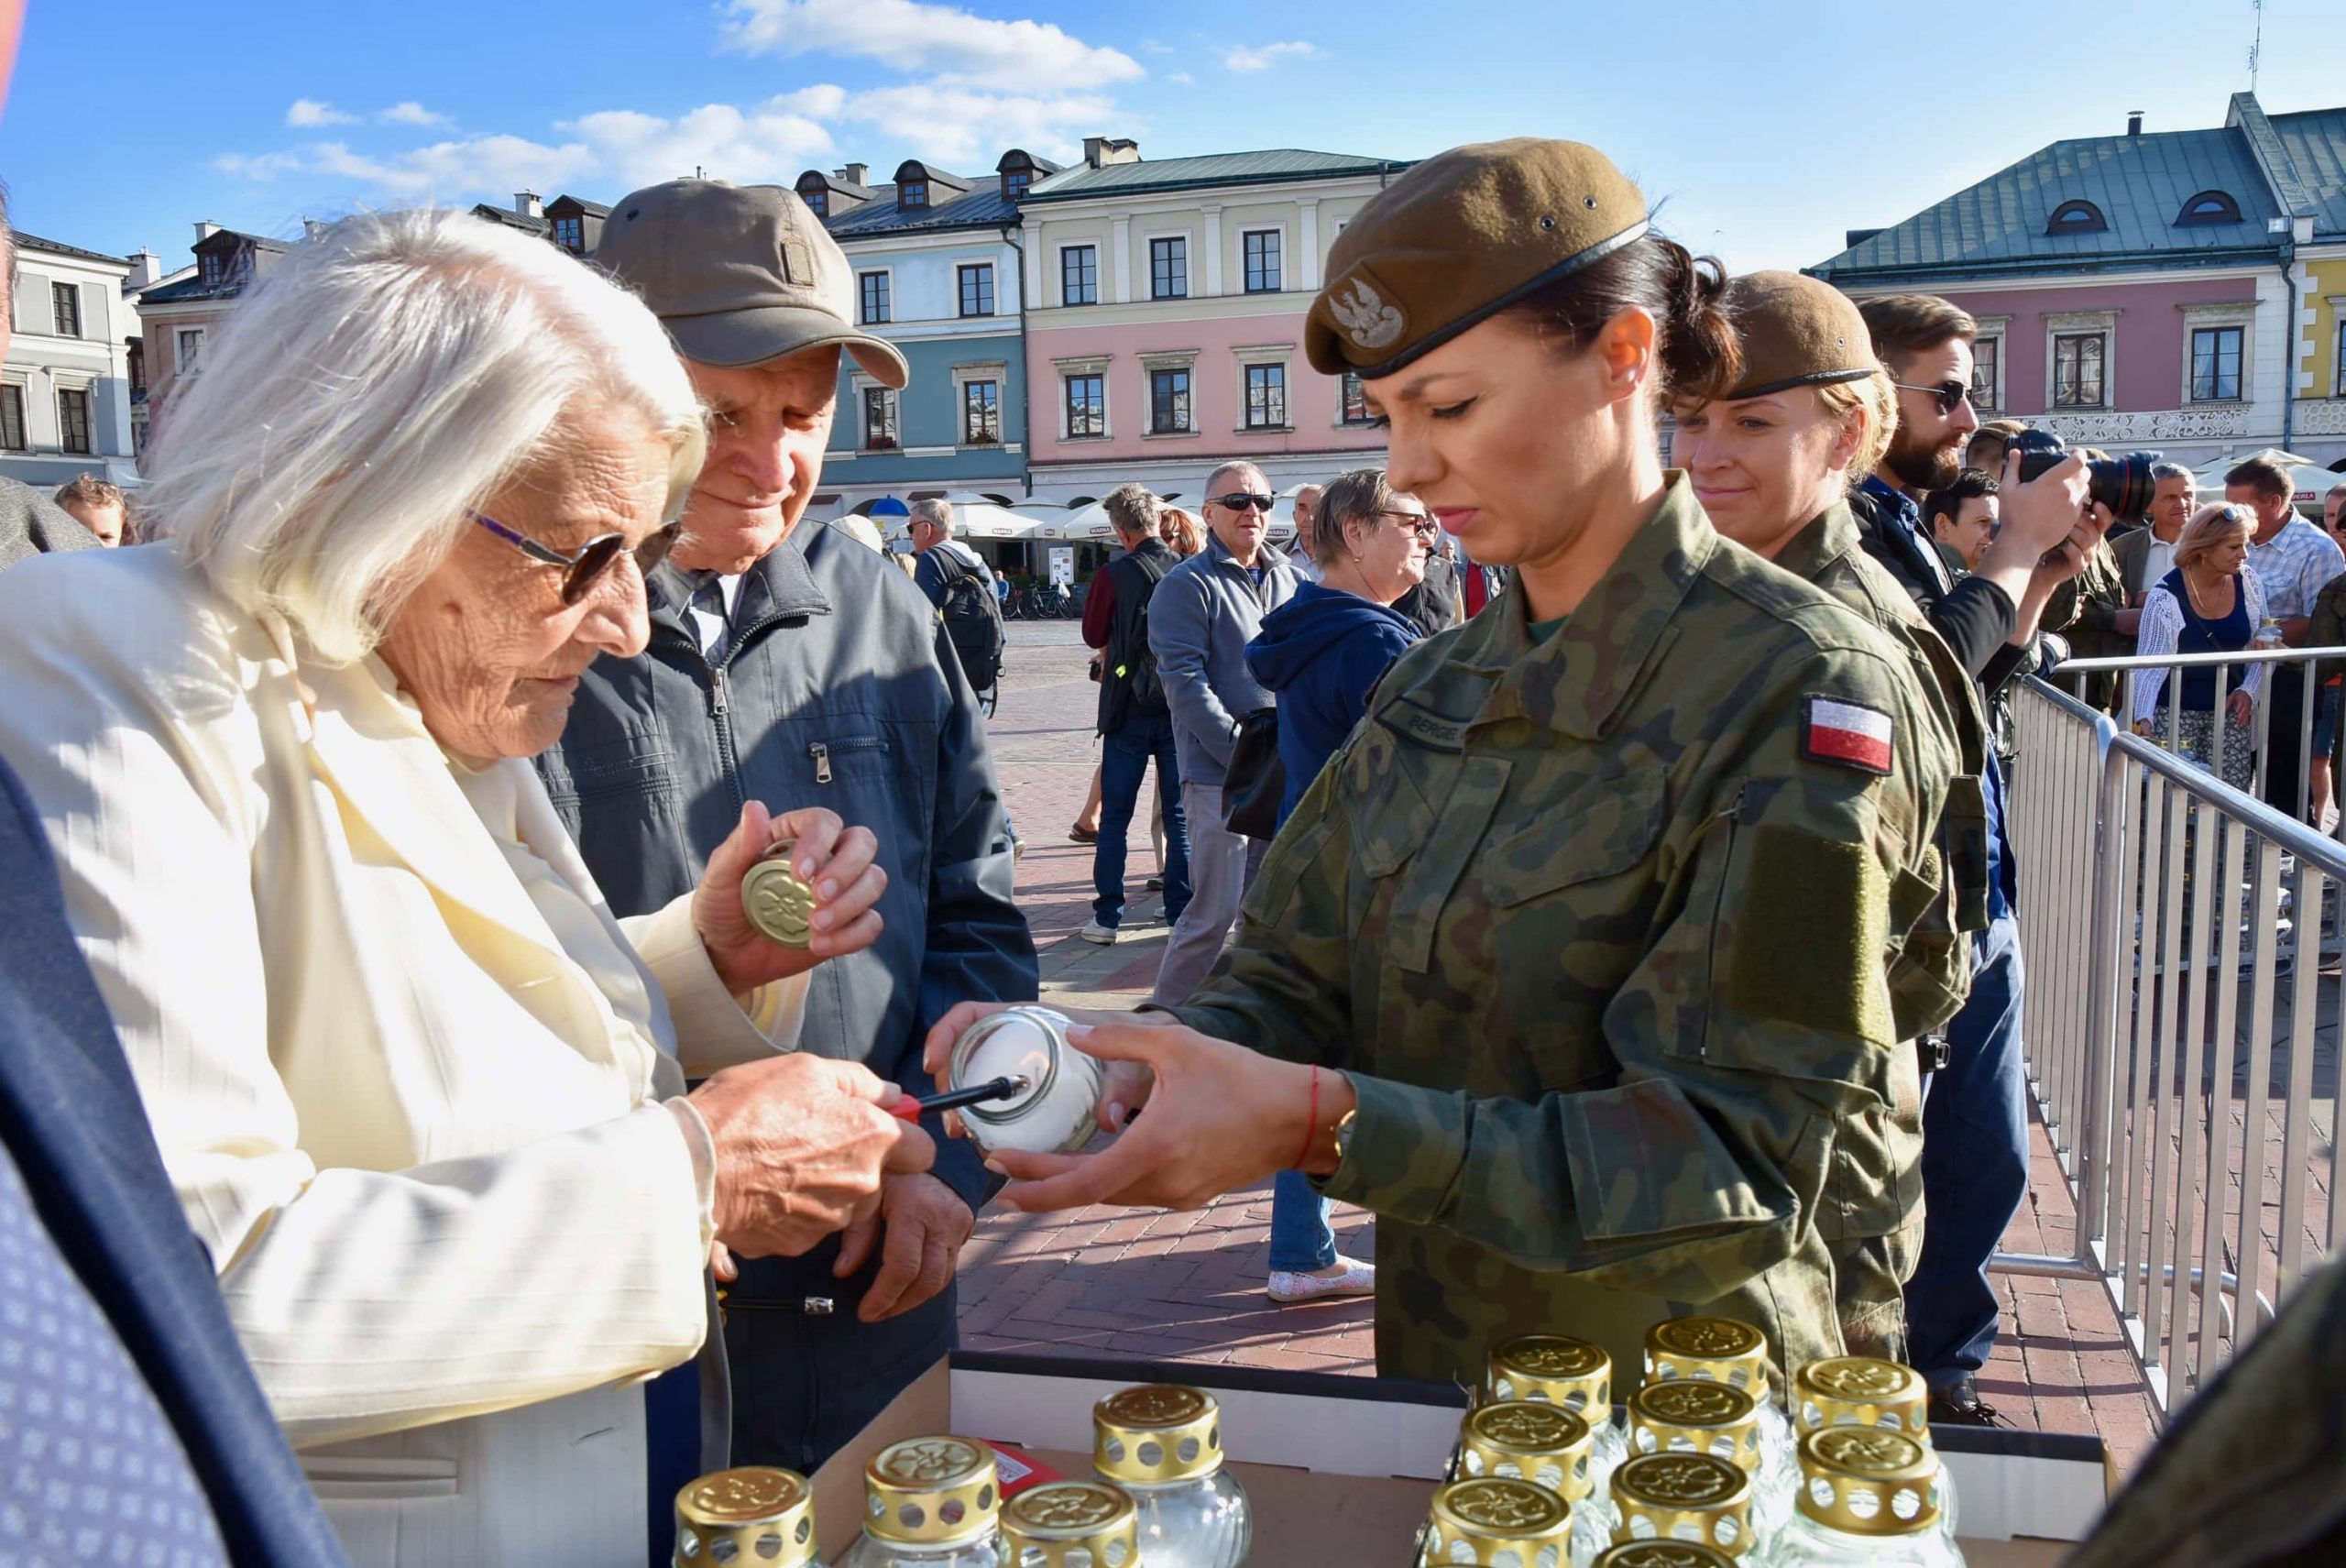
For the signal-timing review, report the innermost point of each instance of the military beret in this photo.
(1796, 332)
(1458, 238)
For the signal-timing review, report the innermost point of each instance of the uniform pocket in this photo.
(1601, 831)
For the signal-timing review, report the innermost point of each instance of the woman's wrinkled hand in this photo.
(834, 860)
(1220, 1116)
(803, 1146)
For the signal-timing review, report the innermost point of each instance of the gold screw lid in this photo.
(1696, 1417)
(1691, 1497)
(1489, 1515)
(1157, 1432)
(767, 1514)
(930, 1491)
(1568, 1372)
(1661, 1554)
(1720, 1349)
(1867, 1481)
(1062, 1519)
(775, 900)
(1532, 1441)
(1861, 1391)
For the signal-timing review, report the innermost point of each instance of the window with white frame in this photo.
(874, 286)
(2080, 361)
(1168, 268)
(1080, 275)
(1987, 371)
(2340, 358)
(12, 419)
(211, 267)
(188, 342)
(981, 414)
(2217, 357)
(976, 282)
(65, 298)
(1168, 400)
(1086, 395)
(880, 419)
(73, 421)
(570, 234)
(1355, 402)
(1267, 397)
(1262, 255)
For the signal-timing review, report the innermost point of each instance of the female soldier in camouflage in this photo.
(1571, 961)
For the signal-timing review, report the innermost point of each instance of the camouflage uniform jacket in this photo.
(1601, 941)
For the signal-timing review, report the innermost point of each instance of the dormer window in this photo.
(819, 201)
(213, 267)
(570, 234)
(2208, 207)
(2076, 217)
(911, 194)
(1015, 183)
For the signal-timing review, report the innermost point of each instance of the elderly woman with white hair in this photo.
(419, 1093)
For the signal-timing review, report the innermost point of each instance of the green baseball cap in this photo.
(741, 275)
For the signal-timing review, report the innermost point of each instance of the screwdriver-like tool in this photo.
(911, 1109)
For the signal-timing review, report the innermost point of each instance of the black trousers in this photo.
(2288, 696)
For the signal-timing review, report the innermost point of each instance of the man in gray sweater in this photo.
(1203, 614)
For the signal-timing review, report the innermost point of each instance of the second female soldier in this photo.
(1570, 964)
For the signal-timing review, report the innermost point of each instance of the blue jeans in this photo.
(1302, 1239)
(1975, 1166)
(1126, 753)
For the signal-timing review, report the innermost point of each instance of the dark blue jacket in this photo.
(1321, 652)
(839, 690)
(73, 1126)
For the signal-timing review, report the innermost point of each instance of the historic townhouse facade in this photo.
(1165, 314)
(936, 257)
(65, 390)
(2309, 151)
(177, 317)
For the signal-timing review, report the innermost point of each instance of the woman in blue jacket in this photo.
(1321, 652)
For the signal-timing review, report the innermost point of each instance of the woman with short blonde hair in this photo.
(2213, 602)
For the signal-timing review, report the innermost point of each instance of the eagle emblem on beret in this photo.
(1362, 312)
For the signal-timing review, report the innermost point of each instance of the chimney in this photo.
(856, 174)
(2134, 122)
(204, 229)
(1101, 151)
(146, 268)
(525, 205)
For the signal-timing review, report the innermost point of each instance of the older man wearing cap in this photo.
(787, 662)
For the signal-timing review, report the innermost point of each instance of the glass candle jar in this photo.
(1871, 1496)
(1661, 1554)
(1057, 1112)
(929, 1502)
(1699, 1416)
(1685, 1497)
(1071, 1524)
(1571, 1373)
(1866, 1391)
(749, 1515)
(1162, 1443)
(1540, 1441)
(1494, 1519)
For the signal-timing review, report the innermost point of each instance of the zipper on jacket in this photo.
(720, 713)
(822, 755)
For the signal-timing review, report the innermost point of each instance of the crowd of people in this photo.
(1627, 915)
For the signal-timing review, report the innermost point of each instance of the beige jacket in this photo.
(409, 1098)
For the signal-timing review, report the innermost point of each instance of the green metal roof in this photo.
(1274, 165)
(2139, 183)
(2316, 144)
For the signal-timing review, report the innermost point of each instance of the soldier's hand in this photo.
(802, 1144)
(1123, 1087)
(1220, 1116)
(834, 860)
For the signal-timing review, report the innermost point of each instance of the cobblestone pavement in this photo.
(1190, 1285)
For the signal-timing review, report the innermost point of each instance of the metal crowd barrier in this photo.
(2162, 917)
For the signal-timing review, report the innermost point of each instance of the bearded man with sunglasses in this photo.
(1199, 621)
(788, 662)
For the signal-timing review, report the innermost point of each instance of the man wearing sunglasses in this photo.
(1199, 621)
(1975, 1107)
(791, 665)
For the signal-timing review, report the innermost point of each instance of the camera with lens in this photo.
(2121, 484)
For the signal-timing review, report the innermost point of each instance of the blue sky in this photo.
(1765, 127)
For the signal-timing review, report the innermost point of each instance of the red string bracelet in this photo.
(1312, 1127)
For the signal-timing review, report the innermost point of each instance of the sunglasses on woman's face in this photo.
(1948, 395)
(1418, 522)
(584, 568)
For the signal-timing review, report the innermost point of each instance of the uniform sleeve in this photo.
(1759, 1015)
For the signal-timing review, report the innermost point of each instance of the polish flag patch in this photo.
(1847, 734)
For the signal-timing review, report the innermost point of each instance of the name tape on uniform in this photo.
(1847, 734)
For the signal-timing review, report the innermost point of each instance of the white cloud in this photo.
(410, 114)
(1263, 59)
(310, 111)
(955, 46)
(966, 129)
(1182, 79)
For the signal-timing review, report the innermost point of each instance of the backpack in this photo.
(973, 622)
(1137, 667)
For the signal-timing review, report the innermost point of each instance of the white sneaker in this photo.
(1353, 1278)
(1105, 936)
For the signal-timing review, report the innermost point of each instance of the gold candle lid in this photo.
(1721, 1349)
(767, 1516)
(1696, 1417)
(1043, 1526)
(1157, 1432)
(1490, 1515)
(775, 900)
(1861, 1391)
(930, 1491)
(1532, 1441)
(1867, 1481)
(1568, 1372)
(1663, 1494)
(1661, 1554)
